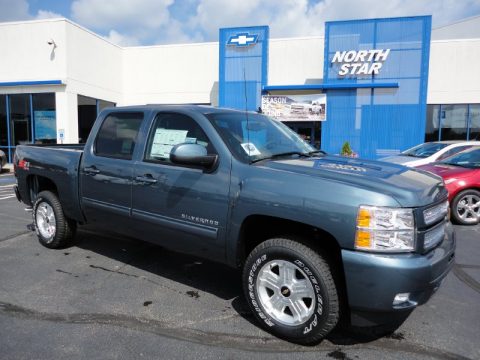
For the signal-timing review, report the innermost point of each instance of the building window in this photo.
(20, 119)
(3, 122)
(88, 110)
(44, 118)
(452, 122)
(474, 122)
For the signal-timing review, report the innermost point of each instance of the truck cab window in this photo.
(171, 129)
(117, 135)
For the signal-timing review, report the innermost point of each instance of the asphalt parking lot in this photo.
(111, 297)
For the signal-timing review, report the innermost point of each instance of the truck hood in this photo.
(409, 187)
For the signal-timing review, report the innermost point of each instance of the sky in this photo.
(152, 22)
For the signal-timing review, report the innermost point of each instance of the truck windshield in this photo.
(253, 137)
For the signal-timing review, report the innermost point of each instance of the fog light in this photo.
(401, 298)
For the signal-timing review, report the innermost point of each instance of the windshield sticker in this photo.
(191, 140)
(165, 139)
(250, 149)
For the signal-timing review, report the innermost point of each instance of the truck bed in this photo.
(55, 163)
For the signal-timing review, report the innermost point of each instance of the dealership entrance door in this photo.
(310, 131)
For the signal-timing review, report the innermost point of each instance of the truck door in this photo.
(178, 206)
(106, 172)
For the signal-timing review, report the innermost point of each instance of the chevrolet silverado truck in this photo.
(318, 237)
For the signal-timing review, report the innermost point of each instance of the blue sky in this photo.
(149, 22)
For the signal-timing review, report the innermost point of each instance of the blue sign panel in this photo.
(376, 121)
(243, 66)
(45, 125)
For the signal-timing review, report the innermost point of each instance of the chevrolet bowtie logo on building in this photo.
(242, 39)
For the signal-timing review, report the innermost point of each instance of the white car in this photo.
(3, 160)
(429, 152)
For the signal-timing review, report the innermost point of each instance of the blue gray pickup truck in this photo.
(318, 237)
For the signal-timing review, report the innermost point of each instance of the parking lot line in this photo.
(7, 197)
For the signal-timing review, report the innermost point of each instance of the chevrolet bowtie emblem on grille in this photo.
(242, 39)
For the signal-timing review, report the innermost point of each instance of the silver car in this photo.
(429, 152)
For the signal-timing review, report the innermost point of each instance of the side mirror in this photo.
(192, 154)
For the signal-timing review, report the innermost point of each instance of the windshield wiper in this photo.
(274, 156)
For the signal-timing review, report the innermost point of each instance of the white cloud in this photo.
(125, 21)
(13, 10)
(45, 14)
(122, 40)
(288, 18)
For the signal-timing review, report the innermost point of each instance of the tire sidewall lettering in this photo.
(314, 320)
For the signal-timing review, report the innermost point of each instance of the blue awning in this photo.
(31, 83)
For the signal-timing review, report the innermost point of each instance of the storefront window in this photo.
(44, 116)
(20, 119)
(454, 122)
(88, 109)
(3, 121)
(432, 127)
(102, 104)
(474, 122)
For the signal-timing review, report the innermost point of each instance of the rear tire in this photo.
(466, 207)
(291, 291)
(54, 230)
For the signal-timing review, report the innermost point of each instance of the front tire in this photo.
(53, 229)
(291, 291)
(466, 207)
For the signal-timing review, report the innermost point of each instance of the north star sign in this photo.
(242, 39)
(361, 62)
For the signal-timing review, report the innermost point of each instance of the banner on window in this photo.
(312, 107)
(45, 124)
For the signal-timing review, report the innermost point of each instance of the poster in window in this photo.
(45, 124)
(311, 107)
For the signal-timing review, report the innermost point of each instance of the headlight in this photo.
(385, 229)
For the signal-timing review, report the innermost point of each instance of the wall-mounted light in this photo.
(52, 42)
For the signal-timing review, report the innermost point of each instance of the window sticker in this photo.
(250, 149)
(190, 140)
(203, 143)
(164, 140)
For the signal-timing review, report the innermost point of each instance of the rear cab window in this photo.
(117, 135)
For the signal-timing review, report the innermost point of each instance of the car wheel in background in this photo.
(466, 207)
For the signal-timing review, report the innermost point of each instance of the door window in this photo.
(171, 129)
(117, 135)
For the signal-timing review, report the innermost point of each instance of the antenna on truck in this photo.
(246, 109)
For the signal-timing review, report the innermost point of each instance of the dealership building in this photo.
(383, 85)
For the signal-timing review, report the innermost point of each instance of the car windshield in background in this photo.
(468, 159)
(253, 137)
(424, 150)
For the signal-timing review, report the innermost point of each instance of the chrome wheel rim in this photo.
(285, 292)
(468, 208)
(45, 219)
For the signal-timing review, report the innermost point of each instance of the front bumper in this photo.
(373, 280)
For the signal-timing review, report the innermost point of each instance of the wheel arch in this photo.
(256, 229)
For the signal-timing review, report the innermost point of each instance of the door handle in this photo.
(146, 179)
(92, 170)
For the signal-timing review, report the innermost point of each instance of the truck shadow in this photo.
(202, 275)
(199, 274)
